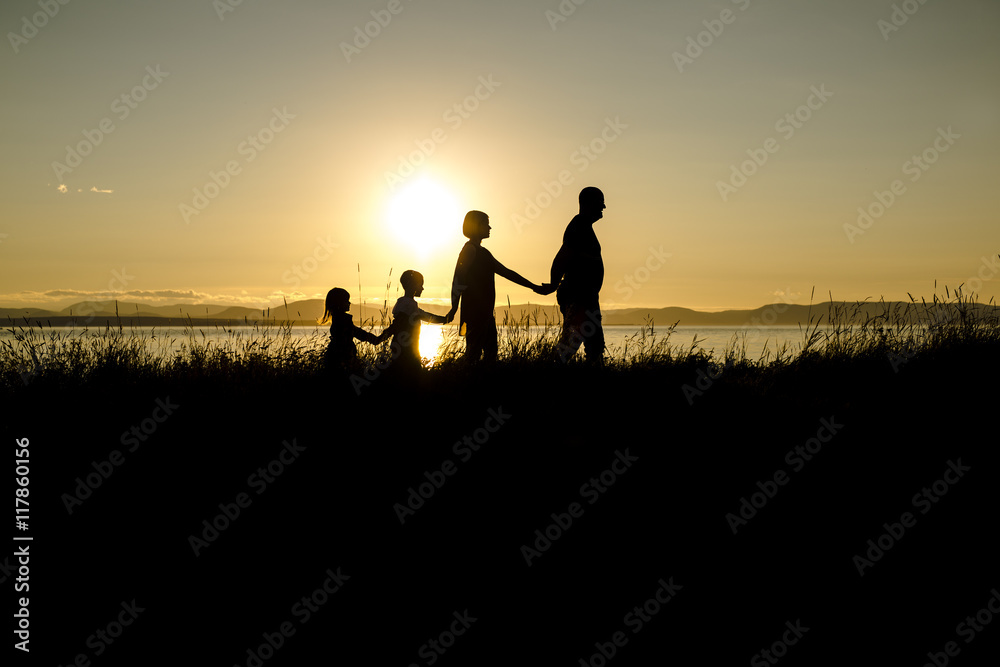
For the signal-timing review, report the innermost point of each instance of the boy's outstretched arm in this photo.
(431, 317)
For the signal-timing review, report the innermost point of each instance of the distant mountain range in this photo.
(311, 311)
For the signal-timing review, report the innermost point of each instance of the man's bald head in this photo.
(592, 202)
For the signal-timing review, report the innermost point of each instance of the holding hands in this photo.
(544, 289)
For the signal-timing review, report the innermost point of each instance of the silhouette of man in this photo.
(578, 270)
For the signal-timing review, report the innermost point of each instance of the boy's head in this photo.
(338, 300)
(412, 282)
(476, 225)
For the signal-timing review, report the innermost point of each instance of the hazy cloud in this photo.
(63, 297)
(63, 189)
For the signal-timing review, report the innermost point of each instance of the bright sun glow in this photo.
(431, 337)
(424, 216)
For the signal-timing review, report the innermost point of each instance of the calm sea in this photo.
(433, 337)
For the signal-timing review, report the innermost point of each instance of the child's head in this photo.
(337, 301)
(412, 282)
(476, 225)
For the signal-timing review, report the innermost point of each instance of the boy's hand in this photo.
(544, 289)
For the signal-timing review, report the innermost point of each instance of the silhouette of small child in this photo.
(341, 352)
(406, 319)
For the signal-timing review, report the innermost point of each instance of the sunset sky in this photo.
(240, 153)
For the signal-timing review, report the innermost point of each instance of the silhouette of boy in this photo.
(341, 352)
(406, 319)
(578, 271)
(474, 286)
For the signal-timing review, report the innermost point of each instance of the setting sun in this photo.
(424, 216)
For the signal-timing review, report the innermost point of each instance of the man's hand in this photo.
(450, 316)
(545, 288)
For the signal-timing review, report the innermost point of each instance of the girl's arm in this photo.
(367, 336)
(514, 277)
(460, 281)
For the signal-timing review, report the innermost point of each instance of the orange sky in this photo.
(170, 154)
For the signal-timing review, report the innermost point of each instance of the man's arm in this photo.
(559, 265)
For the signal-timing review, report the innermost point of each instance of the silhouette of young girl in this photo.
(474, 285)
(341, 352)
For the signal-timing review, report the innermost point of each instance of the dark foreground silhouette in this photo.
(554, 518)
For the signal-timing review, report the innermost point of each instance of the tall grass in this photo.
(66, 355)
(902, 328)
(272, 351)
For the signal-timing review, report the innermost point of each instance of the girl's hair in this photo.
(337, 294)
(472, 225)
